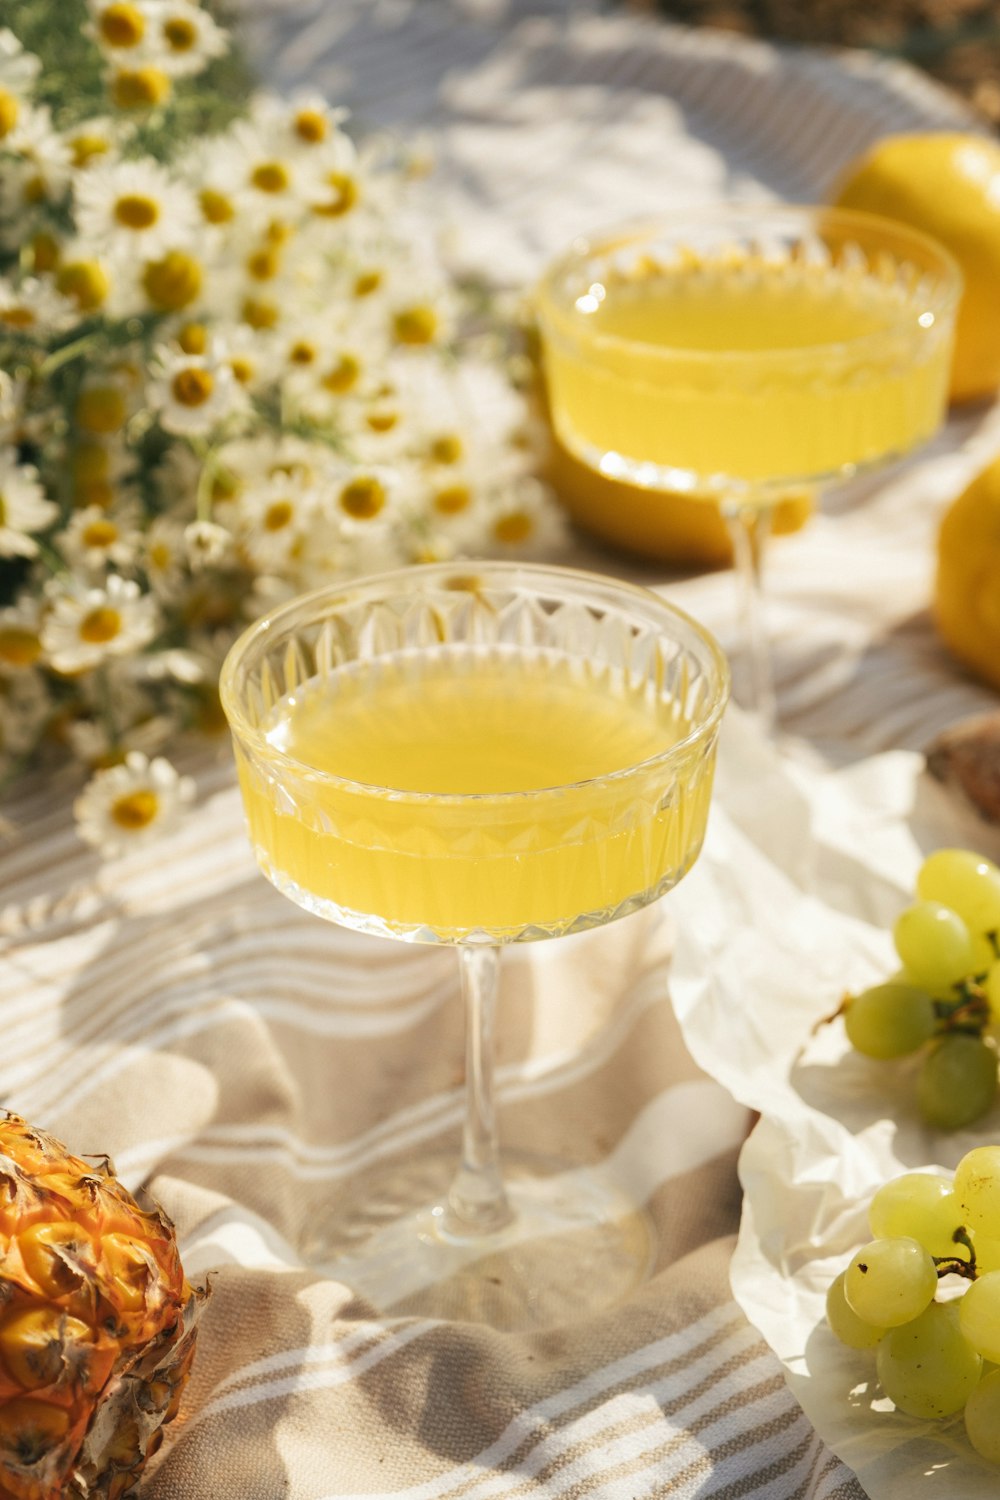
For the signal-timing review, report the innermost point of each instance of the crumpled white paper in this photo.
(791, 902)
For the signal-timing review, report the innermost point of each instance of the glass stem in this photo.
(749, 529)
(477, 1202)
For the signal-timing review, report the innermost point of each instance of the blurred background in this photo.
(955, 41)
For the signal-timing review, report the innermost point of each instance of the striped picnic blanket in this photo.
(253, 1064)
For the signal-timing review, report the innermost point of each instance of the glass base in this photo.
(577, 1244)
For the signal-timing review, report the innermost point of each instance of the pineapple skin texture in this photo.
(97, 1324)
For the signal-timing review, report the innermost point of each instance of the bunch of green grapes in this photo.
(933, 1356)
(942, 1000)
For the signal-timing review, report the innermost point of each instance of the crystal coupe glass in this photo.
(738, 353)
(478, 755)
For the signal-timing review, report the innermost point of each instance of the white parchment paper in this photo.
(803, 872)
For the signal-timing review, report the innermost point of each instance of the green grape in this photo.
(987, 1253)
(969, 883)
(979, 1315)
(957, 1081)
(982, 1417)
(933, 943)
(920, 1206)
(844, 1321)
(977, 1191)
(983, 953)
(889, 1020)
(926, 1367)
(890, 1282)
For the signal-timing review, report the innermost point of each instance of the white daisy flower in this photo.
(20, 635)
(523, 521)
(129, 806)
(18, 71)
(34, 308)
(305, 123)
(186, 38)
(336, 184)
(275, 519)
(85, 625)
(24, 508)
(134, 208)
(96, 539)
(208, 545)
(263, 181)
(249, 354)
(41, 165)
(193, 393)
(366, 498)
(121, 28)
(164, 556)
(92, 141)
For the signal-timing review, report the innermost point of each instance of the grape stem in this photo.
(970, 1012)
(955, 1265)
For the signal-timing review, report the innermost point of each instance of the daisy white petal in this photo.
(85, 626)
(24, 508)
(134, 208)
(129, 806)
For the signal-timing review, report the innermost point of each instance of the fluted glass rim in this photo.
(352, 590)
(748, 217)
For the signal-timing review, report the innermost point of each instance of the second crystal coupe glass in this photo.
(478, 755)
(737, 353)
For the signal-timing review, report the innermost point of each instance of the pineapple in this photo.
(97, 1324)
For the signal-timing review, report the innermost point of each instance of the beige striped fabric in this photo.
(259, 1068)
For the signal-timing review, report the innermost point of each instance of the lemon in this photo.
(946, 183)
(967, 583)
(668, 527)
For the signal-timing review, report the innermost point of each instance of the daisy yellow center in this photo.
(135, 810)
(180, 34)
(160, 556)
(100, 626)
(94, 492)
(90, 461)
(19, 647)
(101, 408)
(44, 253)
(243, 368)
(18, 316)
(279, 232)
(383, 419)
(513, 528)
(452, 500)
(102, 533)
(9, 111)
(278, 515)
(225, 485)
(343, 376)
(302, 353)
(264, 265)
(136, 211)
(311, 126)
(35, 188)
(140, 88)
(446, 449)
(215, 206)
(86, 282)
(259, 313)
(363, 497)
(367, 282)
(270, 177)
(122, 25)
(193, 338)
(85, 147)
(192, 386)
(415, 325)
(343, 195)
(174, 282)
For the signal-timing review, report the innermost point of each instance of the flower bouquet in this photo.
(232, 367)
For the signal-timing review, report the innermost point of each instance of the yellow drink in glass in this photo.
(478, 758)
(771, 407)
(487, 724)
(737, 354)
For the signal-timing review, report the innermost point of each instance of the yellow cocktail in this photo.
(479, 759)
(736, 354)
(489, 723)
